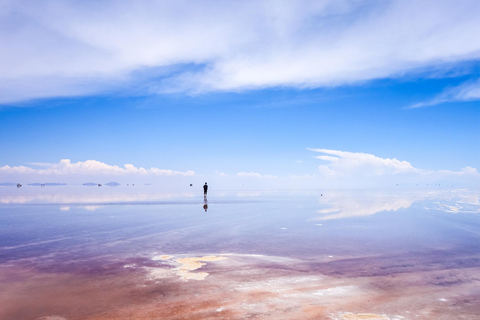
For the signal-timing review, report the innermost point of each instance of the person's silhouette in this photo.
(205, 189)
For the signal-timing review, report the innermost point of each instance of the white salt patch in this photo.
(319, 224)
(330, 256)
(64, 208)
(220, 309)
(442, 299)
(129, 266)
(283, 228)
(364, 316)
(336, 291)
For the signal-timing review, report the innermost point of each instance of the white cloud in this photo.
(255, 175)
(89, 168)
(342, 163)
(64, 48)
(340, 169)
(249, 174)
(362, 169)
(467, 91)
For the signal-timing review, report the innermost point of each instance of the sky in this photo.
(243, 94)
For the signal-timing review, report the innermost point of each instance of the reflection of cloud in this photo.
(256, 193)
(250, 194)
(91, 208)
(80, 198)
(346, 205)
(460, 202)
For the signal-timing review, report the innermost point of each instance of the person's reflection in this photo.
(205, 204)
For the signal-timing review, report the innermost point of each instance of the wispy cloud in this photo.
(468, 91)
(65, 48)
(355, 169)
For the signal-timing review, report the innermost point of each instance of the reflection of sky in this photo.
(93, 223)
(96, 195)
(335, 204)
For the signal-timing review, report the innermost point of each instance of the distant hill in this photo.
(112, 184)
(8, 184)
(90, 184)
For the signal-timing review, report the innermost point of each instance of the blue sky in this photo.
(343, 93)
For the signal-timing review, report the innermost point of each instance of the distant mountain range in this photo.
(110, 184)
(8, 184)
(50, 184)
(13, 184)
(90, 184)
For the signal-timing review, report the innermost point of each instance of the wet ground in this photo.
(82, 253)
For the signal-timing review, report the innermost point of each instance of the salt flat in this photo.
(389, 254)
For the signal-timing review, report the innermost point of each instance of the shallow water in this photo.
(119, 253)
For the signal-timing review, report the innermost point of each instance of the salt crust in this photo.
(162, 257)
(190, 264)
(186, 266)
(336, 291)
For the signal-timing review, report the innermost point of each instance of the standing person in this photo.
(205, 188)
